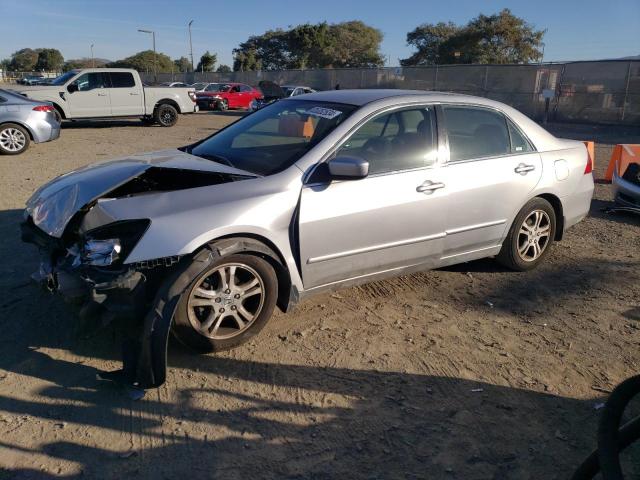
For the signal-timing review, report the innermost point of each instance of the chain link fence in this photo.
(601, 92)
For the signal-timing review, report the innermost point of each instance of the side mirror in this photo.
(348, 167)
(72, 87)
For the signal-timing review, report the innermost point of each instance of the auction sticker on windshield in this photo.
(327, 113)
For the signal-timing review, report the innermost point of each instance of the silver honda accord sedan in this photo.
(307, 194)
(23, 121)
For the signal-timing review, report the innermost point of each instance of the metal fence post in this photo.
(558, 91)
(626, 92)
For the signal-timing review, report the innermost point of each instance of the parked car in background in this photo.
(199, 86)
(175, 84)
(31, 80)
(112, 92)
(222, 96)
(23, 121)
(271, 92)
(295, 90)
(308, 194)
(626, 187)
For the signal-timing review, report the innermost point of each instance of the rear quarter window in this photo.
(475, 132)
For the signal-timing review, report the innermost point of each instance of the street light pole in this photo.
(191, 45)
(155, 55)
(93, 63)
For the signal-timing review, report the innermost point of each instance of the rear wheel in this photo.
(14, 139)
(530, 237)
(165, 115)
(229, 301)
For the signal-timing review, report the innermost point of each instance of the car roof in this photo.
(372, 99)
(363, 96)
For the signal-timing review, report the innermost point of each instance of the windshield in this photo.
(274, 137)
(199, 86)
(64, 78)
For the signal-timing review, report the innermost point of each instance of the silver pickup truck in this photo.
(112, 92)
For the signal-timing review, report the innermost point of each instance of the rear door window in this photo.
(122, 80)
(475, 132)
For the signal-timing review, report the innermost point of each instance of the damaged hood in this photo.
(54, 204)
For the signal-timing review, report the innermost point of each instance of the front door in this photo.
(391, 219)
(89, 96)
(126, 97)
(491, 171)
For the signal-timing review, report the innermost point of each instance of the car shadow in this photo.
(600, 210)
(79, 124)
(293, 421)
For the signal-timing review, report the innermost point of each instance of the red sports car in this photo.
(222, 96)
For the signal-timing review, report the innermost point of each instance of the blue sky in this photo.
(576, 30)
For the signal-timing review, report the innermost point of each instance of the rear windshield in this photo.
(274, 137)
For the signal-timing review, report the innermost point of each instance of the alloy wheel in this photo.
(226, 301)
(534, 235)
(12, 139)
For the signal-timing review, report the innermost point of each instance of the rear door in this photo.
(126, 97)
(391, 219)
(91, 96)
(245, 96)
(492, 169)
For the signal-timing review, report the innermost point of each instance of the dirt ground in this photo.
(470, 372)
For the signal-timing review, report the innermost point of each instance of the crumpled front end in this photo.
(87, 270)
(84, 251)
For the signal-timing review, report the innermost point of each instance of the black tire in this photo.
(18, 133)
(165, 115)
(510, 255)
(58, 115)
(223, 105)
(206, 266)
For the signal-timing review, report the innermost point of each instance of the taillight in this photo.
(43, 108)
(589, 168)
(192, 96)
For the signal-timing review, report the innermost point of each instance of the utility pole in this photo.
(155, 55)
(93, 63)
(191, 45)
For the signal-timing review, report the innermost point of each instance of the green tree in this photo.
(24, 60)
(49, 59)
(144, 62)
(207, 62)
(224, 69)
(498, 38)
(346, 44)
(84, 63)
(182, 64)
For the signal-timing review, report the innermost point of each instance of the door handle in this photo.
(523, 169)
(429, 187)
(133, 93)
(102, 94)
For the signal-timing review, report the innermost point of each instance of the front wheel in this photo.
(14, 139)
(165, 115)
(223, 105)
(530, 237)
(229, 301)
